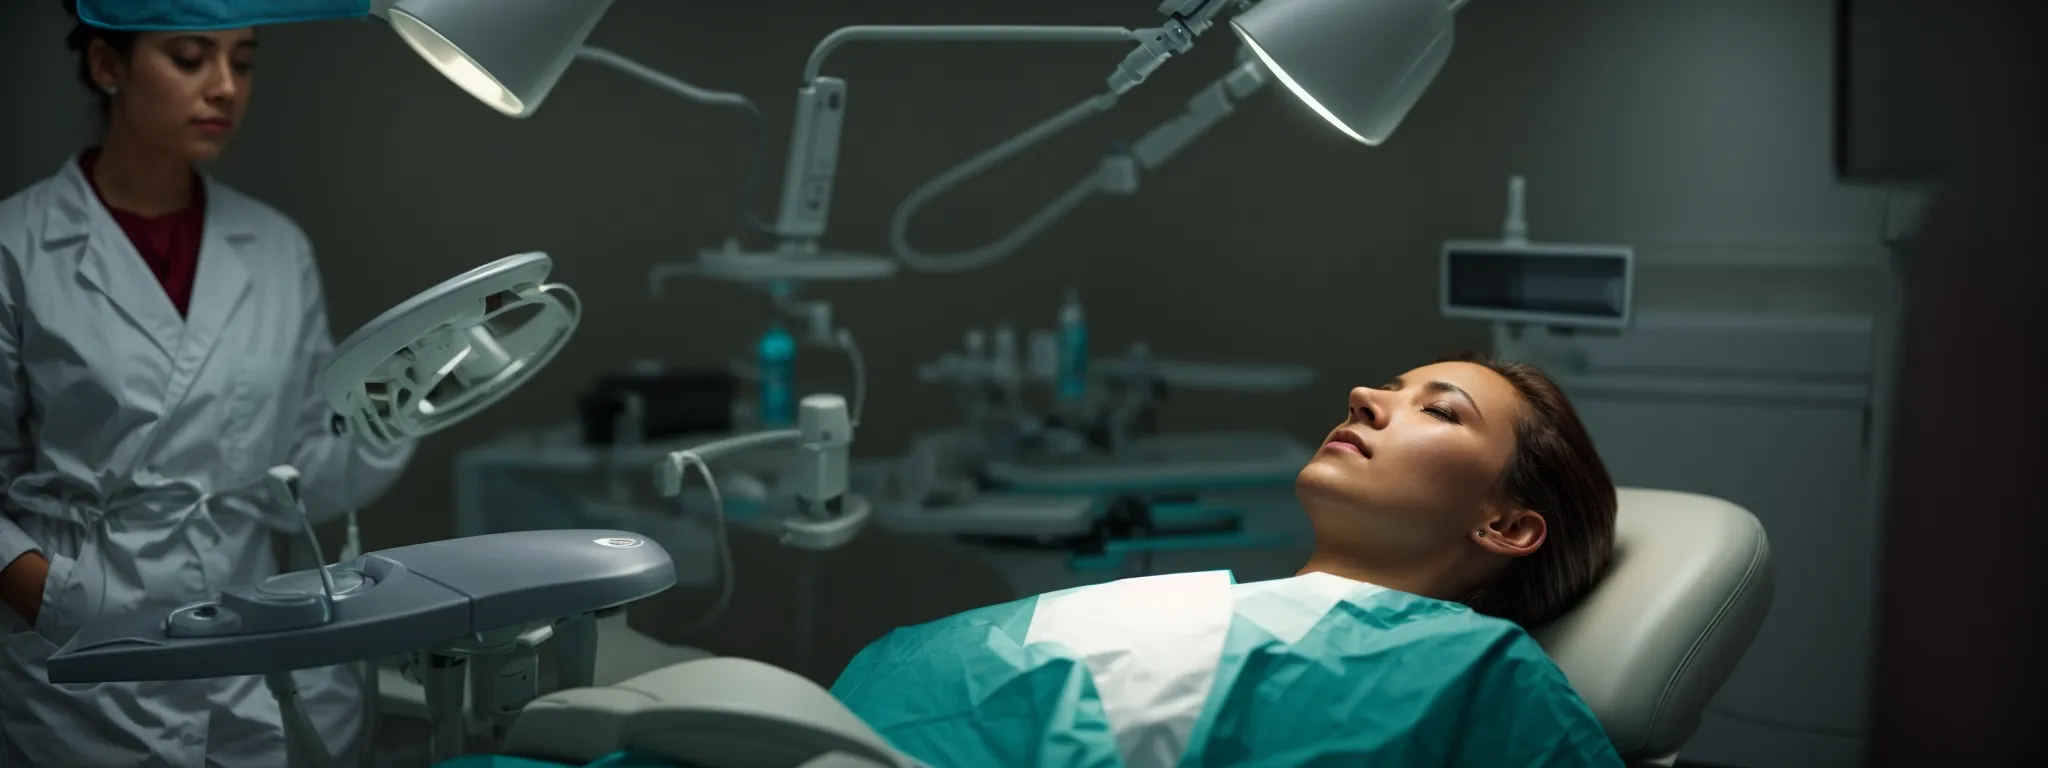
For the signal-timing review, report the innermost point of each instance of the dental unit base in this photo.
(489, 597)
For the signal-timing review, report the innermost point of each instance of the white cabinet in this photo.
(1770, 412)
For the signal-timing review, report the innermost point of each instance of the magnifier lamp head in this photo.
(452, 351)
(1361, 64)
(506, 53)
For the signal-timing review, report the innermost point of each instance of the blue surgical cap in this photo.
(200, 15)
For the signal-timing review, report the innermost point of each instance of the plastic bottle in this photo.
(777, 359)
(1073, 341)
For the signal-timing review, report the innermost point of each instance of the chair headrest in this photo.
(1654, 641)
(713, 713)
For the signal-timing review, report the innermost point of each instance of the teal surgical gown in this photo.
(1194, 670)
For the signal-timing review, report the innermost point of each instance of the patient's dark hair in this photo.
(80, 42)
(1556, 472)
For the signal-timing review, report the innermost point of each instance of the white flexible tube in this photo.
(844, 338)
(975, 258)
(689, 458)
(958, 34)
(711, 97)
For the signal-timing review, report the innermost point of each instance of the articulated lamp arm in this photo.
(814, 146)
(1206, 108)
(1185, 20)
(1117, 174)
(821, 103)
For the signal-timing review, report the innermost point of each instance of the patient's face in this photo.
(1415, 463)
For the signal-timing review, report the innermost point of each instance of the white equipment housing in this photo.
(451, 351)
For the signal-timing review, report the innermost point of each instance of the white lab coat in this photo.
(132, 442)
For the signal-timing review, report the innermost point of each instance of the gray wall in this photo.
(1697, 130)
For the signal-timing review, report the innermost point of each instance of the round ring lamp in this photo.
(451, 351)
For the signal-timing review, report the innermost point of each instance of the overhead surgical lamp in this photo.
(506, 53)
(1360, 64)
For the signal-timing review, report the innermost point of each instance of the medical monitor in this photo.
(1551, 284)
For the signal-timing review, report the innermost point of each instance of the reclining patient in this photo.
(1453, 507)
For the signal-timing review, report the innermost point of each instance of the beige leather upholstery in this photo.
(1690, 584)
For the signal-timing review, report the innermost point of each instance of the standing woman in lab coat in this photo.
(160, 334)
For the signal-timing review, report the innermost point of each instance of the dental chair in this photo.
(1690, 584)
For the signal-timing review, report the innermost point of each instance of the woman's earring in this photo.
(1482, 533)
(111, 89)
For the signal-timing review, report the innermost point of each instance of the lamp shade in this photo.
(506, 53)
(1361, 64)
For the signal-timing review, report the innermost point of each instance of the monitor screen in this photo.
(1555, 284)
(1551, 284)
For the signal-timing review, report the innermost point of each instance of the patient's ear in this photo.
(1515, 532)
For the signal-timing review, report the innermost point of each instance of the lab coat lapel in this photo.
(110, 263)
(218, 289)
